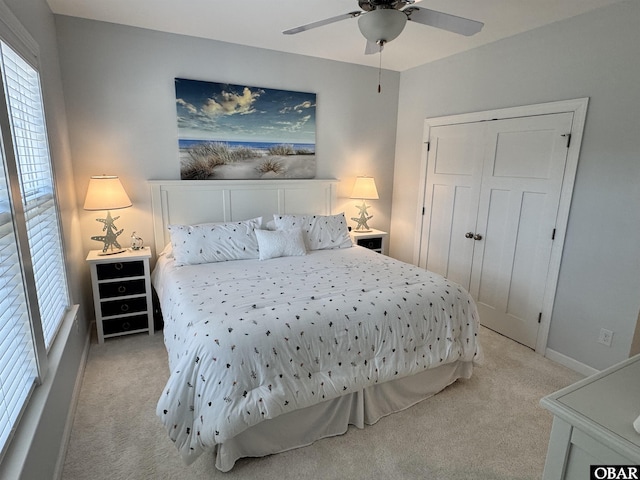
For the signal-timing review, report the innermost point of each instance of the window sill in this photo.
(49, 403)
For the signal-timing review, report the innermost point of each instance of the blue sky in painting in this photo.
(219, 112)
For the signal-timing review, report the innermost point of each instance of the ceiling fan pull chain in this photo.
(381, 43)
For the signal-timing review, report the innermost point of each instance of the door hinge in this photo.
(553, 234)
(540, 317)
(428, 146)
(422, 210)
(568, 135)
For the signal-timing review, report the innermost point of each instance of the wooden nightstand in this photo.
(121, 292)
(375, 240)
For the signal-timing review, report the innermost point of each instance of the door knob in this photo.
(468, 235)
(477, 236)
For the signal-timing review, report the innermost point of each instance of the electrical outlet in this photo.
(605, 337)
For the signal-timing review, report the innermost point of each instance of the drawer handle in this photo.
(122, 289)
(124, 307)
(118, 266)
(126, 326)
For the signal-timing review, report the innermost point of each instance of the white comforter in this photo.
(249, 340)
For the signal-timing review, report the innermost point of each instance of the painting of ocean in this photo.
(238, 132)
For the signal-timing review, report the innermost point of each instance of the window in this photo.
(22, 87)
(18, 371)
(34, 296)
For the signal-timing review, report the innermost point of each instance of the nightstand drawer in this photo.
(374, 243)
(122, 288)
(123, 307)
(108, 271)
(119, 325)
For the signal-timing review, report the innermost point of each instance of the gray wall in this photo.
(119, 86)
(36, 446)
(593, 55)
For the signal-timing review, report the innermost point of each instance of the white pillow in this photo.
(167, 250)
(214, 242)
(320, 231)
(280, 243)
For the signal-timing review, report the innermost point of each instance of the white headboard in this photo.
(189, 202)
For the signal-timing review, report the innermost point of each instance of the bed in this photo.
(275, 347)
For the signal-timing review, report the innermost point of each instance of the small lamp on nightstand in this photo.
(365, 189)
(105, 192)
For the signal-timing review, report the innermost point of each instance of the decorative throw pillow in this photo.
(214, 242)
(280, 243)
(320, 232)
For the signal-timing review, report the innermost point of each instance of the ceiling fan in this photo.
(381, 21)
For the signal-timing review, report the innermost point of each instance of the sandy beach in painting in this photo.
(219, 161)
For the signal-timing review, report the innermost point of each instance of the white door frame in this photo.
(579, 109)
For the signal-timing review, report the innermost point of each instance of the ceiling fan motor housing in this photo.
(369, 5)
(382, 24)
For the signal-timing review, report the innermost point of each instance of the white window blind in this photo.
(22, 89)
(18, 370)
(33, 288)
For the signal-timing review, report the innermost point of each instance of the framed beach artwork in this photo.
(239, 132)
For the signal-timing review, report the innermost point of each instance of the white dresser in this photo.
(593, 422)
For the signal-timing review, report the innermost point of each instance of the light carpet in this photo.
(490, 427)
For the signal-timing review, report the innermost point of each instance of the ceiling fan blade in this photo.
(372, 47)
(445, 21)
(320, 23)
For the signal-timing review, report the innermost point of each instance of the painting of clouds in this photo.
(238, 132)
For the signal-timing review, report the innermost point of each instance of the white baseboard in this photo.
(57, 475)
(570, 363)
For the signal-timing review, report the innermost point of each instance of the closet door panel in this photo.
(511, 262)
(493, 258)
(534, 154)
(529, 259)
(454, 167)
(449, 251)
(521, 186)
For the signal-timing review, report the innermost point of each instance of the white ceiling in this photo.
(259, 23)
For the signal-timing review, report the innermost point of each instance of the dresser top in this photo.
(607, 402)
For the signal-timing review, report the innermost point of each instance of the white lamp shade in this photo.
(106, 193)
(383, 24)
(365, 188)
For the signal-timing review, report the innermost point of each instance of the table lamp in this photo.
(365, 189)
(105, 192)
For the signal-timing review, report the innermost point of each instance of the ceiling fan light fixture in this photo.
(382, 24)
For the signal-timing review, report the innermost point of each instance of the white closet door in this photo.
(521, 185)
(452, 191)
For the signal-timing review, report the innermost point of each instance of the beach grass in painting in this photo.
(238, 132)
(219, 160)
